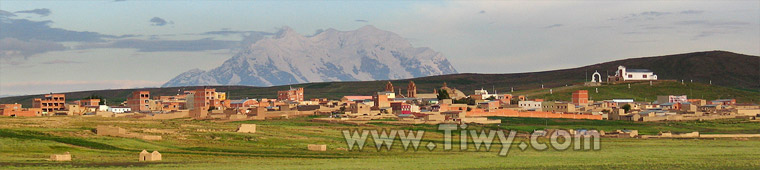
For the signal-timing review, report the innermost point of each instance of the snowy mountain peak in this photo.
(287, 57)
(286, 32)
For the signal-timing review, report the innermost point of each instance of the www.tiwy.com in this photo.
(558, 139)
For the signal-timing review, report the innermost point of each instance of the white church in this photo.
(624, 74)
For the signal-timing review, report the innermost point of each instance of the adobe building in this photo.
(247, 128)
(88, 102)
(15, 109)
(580, 98)
(381, 100)
(672, 99)
(139, 101)
(153, 156)
(50, 102)
(243, 103)
(61, 157)
(291, 95)
(313, 147)
(203, 99)
(359, 108)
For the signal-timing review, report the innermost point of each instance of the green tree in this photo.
(626, 107)
(443, 94)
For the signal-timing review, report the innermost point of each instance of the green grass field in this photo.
(26, 143)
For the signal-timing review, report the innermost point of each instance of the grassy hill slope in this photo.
(740, 73)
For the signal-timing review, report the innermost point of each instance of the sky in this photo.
(62, 46)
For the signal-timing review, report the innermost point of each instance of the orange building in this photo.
(16, 110)
(292, 95)
(50, 102)
(580, 97)
(139, 101)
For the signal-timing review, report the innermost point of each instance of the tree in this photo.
(626, 107)
(443, 94)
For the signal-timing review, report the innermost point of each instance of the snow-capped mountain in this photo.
(287, 57)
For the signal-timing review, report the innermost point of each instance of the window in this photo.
(644, 76)
(630, 75)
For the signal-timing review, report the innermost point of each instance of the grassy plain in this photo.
(26, 143)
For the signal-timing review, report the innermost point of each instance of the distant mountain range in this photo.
(287, 57)
(739, 72)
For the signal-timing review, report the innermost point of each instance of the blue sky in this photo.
(75, 38)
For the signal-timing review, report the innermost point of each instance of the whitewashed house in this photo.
(624, 74)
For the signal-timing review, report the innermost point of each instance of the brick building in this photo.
(50, 102)
(292, 95)
(139, 101)
(580, 97)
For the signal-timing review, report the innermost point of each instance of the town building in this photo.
(205, 98)
(15, 110)
(580, 97)
(139, 101)
(119, 109)
(243, 103)
(672, 99)
(88, 102)
(529, 105)
(381, 100)
(292, 94)
(50, 102)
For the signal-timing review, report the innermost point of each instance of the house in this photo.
(119, 109)
(355, 98)
(14, 110)
(401, 108)
(580, 97)
(291, 94)
(61, 157)
(50, 102)
(139, 101)
(723, 102)
(561, 107)
(153, 156)
(672, 99)
(243, 103)
(205, 98)
(529, 105)
(87, 102)
(624, 74)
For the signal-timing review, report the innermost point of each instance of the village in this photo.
(402, 106)
(398, 106)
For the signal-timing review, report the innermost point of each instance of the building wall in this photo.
(50, 102)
